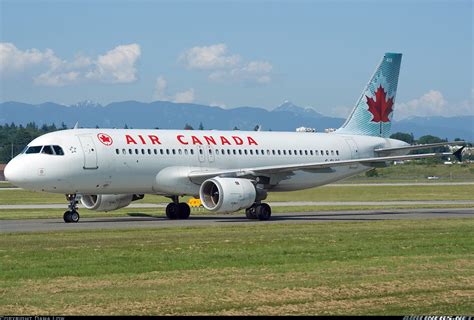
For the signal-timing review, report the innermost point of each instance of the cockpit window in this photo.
(35, 149)
(47, 150)
(53, 150)
(59, 151)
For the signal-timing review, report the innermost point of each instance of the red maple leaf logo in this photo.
(380, 108)
(105, 139)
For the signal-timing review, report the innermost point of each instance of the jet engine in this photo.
(227, 194)
(108, 202)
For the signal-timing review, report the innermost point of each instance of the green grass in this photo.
(325, 193)
(383, 267)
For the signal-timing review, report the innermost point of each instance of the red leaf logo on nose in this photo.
(380, 108)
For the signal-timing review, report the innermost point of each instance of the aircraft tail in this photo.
(372, 115)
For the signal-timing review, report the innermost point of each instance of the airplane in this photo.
(107, 169)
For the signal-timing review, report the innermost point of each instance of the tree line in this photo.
(14, 138)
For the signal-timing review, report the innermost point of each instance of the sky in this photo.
(317, 54)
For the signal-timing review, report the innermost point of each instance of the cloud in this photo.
(116, 66)
(254, 72)
(210, 57)
(226, 68)
(185, 96)
(432, 103)
(180, 97)
(14, 60)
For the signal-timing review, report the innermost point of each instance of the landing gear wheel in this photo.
(67, 216)
(184, 211)
(74, 216)
(263, 211)
(71, 216)
(250, 213)
(172, 211)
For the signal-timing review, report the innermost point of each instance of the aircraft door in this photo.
(90, 152)
(354, 151)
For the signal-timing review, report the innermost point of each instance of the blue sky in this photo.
(239, 53)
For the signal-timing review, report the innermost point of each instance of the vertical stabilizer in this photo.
(373, 113)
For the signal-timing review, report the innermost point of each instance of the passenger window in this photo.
(316, 152)
(167, 151)
(155, 151)
(268, 152)
(200, 151)
(192, 151)
(130, 151)
(174, 151)
(143, 151)
(279, 152)
(136, 151)
(289, 152)
(59, 151)
(256, 152)
(161, 151)
(47, 150)
(284, 152)
(240, 151)
(327, 152)
(124, 151)
(149, 151)
(251, 151)
(117, 151)
(180, 151)
(35, 149)
(337, 152)
(322, 152)
(235, 152)
(186, 151)
(311, 152)
(332, 152)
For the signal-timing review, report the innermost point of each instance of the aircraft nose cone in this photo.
(13, 172)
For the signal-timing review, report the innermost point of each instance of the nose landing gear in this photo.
(71, 215)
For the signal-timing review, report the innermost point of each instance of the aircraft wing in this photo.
(199, 176)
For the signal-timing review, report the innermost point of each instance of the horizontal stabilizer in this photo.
(385, 151)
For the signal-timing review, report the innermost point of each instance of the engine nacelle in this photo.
(227, 194)
(108, 202)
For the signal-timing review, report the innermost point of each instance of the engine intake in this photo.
(108, 202)
(227, 194)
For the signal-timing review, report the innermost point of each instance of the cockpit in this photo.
(52, 150)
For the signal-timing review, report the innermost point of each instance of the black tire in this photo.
(74, 215)
(250, 213)
(263, 211)
(184, 211)
(172, 211)
(67, 216)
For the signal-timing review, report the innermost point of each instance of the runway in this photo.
(272, 204)
(145, 221)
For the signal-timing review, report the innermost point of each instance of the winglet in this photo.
(458, 153)
(76, 126)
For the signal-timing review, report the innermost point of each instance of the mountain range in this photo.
(169, 115)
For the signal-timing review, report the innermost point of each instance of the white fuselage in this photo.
(121, 161)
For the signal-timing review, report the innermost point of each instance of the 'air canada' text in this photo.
(193, 140)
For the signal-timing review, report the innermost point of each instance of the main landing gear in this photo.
(177, 210)
(260, 211)
(71, 215)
